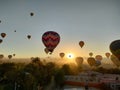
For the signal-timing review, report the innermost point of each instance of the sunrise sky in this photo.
(96, 22)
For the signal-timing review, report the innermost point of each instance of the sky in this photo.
(96, 22)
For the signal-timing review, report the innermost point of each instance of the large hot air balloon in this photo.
(107, 54)
(46, 50)
(1, 40)
(79, 60)
(28, 36)
(9, 56)
(50, 39)
(62, 54)
(91, 61)
(81, 43)
(98, 57)
(115, 60)
(1, 56)
(115, 48)
(90, 54)
(3, 35)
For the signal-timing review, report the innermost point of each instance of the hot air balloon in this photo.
(79, 60)
(62, 54)
(13, 54)
(46, 50)
(3, 35)
(50, 39)
(115, 60)
(0, 21)
(91, 61)
(90, 54)
(98, 63)
(9, 56)
(1, 56)
(81, 43)
(107, 54)
(1, 40)
(14, 30)
(98, 57)
(115, 48)
(31, 14)
(28, 36)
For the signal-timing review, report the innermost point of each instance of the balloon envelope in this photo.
(115, 48)
(1, 40)
(1, 56)
(107, 54)
(98, 57)
(50, 39)
(28, 36)
(46, 50)
(81, 43)
(91, 61)
(115, 60)
(79, 60)
(62, 55)
(9, 56)
(3, 35)
(31, 14)
(91, 54)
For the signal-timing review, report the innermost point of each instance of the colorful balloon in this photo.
(62, 54)
(98, 57)
(107, 54)
(50, 39)
(81, 43)
(3, 35)
(79, 60)
(115, 48)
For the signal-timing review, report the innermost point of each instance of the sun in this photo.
(70, 56)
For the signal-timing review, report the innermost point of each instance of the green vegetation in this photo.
(37, 73)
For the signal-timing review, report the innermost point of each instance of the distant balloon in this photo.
(98, 57)
(115, 48)
(14, 30)
(46, 50)
(115, 60)
(81, 43)
(107, 54)
(31, 14)
(62, 54)
(79, 60)
(1, 40)
(90, 54)
(28, 36)
(91, 61)
(1, 56)
(3, 35)
(9, 56)
(50, 39)
(98, 63)
(13, 54)
(0, 21)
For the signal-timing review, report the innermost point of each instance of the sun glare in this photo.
(70, 56)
